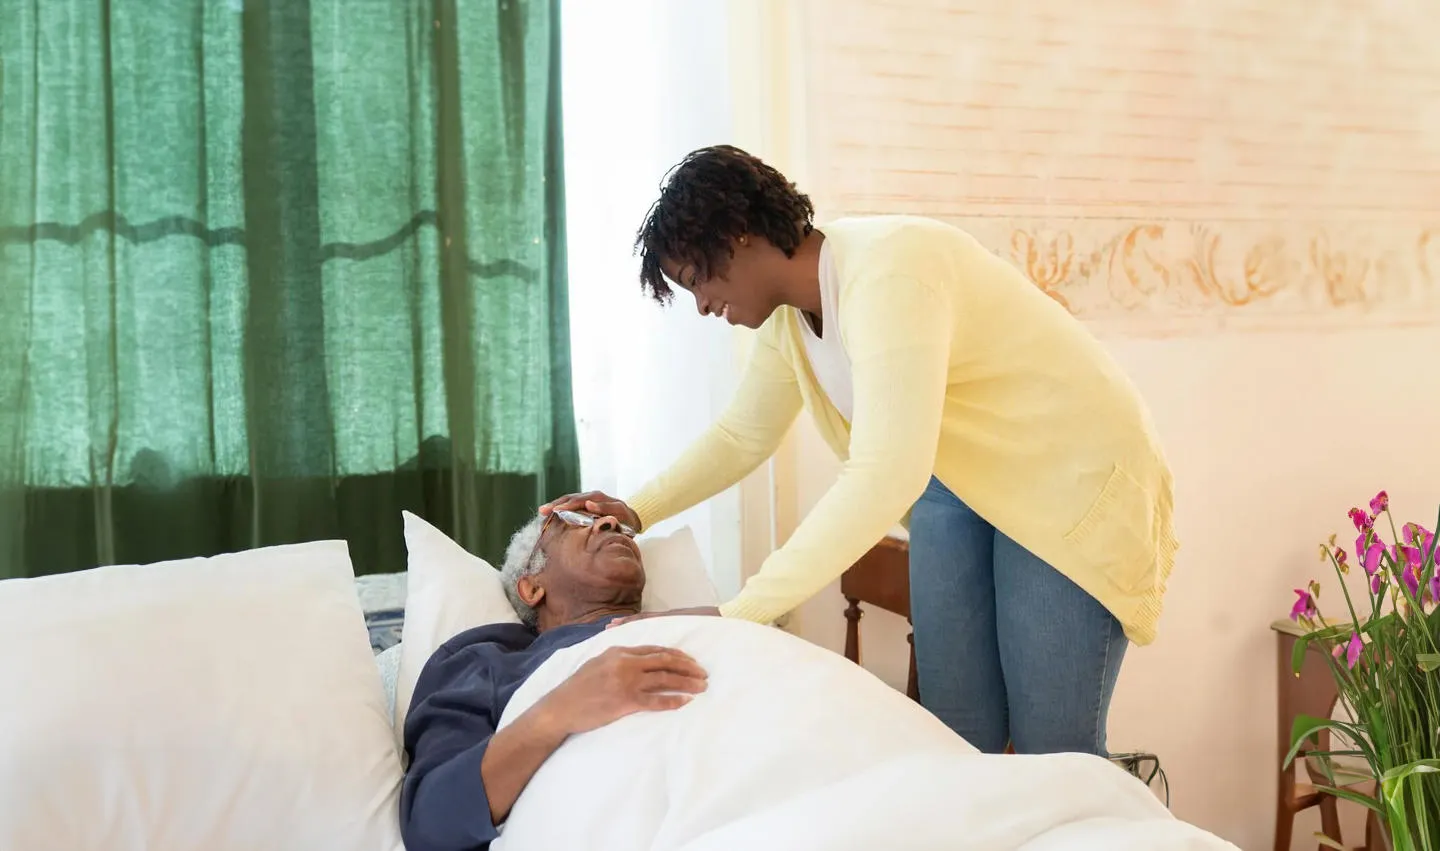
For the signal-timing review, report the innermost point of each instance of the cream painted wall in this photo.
(1242, 197)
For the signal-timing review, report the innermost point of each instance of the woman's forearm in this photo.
(709, 466)
(755, 422)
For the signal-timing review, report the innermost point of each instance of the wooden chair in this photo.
(880, 578)
(1312, 693)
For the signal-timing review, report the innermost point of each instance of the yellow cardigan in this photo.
(964, 369)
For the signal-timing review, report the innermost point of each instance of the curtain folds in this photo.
(275, 271)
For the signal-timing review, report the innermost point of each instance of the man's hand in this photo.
(707, 611)
(622, 681)
(619, 682)
(596, 503)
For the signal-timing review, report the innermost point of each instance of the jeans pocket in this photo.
(1117, 535)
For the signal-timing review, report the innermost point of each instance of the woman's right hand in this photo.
(596, 503)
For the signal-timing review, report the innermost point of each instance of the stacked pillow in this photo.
(233, 703)
(225, 704)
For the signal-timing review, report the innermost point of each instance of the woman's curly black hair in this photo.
(707, 201)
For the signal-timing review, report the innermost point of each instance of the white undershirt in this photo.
(828, 359)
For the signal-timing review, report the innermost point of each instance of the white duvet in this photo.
(793, 747)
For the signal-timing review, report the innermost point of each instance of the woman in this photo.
(1039, 498)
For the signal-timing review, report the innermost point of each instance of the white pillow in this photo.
(229, 704)
(452, 590)
(675, 574)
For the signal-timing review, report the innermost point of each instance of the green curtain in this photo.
(275, 270)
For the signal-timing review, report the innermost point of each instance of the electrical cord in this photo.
(1145, 767)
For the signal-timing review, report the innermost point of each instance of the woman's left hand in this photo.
(710, 611)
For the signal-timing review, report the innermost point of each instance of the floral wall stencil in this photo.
(1427, 251)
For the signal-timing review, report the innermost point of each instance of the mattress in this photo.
(382, 598)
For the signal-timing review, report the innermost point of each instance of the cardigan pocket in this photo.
(1116, 537)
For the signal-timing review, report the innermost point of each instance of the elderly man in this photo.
(568, 575)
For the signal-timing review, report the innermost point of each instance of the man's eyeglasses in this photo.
(575, 518)
(572, 518)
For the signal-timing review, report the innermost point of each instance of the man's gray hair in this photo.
(520, 563)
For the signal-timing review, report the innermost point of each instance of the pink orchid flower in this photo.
(1423, 538)
(1411, 578)
(1363, 522)
(1371, 559)
(1379, 504)
(1351, 648)
(1304, 606)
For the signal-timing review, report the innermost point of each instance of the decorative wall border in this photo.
(1165, 276)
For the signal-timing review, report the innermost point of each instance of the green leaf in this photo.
(1297, 655)
(1392, 781)
(1401, 772)
(1331, 632)
(1428, 661)
(1306, 726)
(1354, 797)
(1328, 842)
(1302, 731)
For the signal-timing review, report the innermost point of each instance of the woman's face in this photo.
(742, 291)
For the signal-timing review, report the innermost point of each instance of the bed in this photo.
(237, 702)
(791, 747)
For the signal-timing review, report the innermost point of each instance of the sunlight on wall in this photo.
(640, 91)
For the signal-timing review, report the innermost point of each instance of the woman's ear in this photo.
(530, 592)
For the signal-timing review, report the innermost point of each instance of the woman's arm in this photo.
(760, 413)
(898, 337)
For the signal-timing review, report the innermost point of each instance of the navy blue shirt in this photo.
(457, 705)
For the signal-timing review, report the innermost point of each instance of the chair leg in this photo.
(1284, 824)
(1330, 818)
(852, 629)
(912, 681)
(1373, 840)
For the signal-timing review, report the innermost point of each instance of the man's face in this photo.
(589, 562)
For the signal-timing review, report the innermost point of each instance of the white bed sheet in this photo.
(794, 747)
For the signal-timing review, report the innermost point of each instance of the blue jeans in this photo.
(1007, 649)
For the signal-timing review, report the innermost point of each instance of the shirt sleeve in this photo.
(898, 335)
(755, 422)
(443, 805)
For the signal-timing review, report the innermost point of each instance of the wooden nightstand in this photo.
(880, 578)
(1312, 692)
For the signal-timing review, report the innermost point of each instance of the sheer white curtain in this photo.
(645, 82)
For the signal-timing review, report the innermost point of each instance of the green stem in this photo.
(1344, 589)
